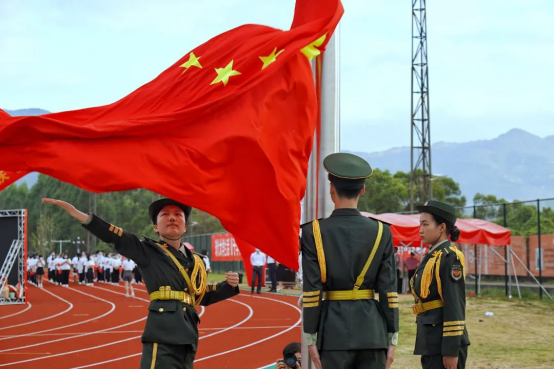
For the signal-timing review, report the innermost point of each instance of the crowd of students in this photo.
(83, 269)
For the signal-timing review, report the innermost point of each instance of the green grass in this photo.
(519, 335)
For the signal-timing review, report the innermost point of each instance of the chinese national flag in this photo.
(227, 129)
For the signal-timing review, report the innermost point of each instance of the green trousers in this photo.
(435, 361)
(166, 356)
(355, 359)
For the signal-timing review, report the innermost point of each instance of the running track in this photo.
(98, 327)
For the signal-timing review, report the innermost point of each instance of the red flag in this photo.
(227, 129)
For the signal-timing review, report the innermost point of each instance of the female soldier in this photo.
(439, 290)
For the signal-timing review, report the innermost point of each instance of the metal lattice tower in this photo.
(420, 170)
(20, 260)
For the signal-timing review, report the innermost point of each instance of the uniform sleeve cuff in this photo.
(89, 219)
(393, 338)
(311, 339)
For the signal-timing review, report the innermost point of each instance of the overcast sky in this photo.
(490, 62)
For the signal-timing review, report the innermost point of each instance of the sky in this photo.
(490, 62)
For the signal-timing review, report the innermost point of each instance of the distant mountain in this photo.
(31, 178)
(515, 165)
(27, 112)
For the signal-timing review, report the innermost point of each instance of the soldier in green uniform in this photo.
(439, 290)
(174, 276)
(346, 259)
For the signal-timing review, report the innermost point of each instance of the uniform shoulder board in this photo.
(308, 223)
(383, 222)
(199, 255)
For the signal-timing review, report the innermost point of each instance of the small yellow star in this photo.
(311, 51)
(193, 61)
(270, 58)
(223, 74)
(3, 177)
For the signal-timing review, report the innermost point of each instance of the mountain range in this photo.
(515, 166)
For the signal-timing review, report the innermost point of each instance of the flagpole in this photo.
(318, 203)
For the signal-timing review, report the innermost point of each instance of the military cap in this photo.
(159, 204)
(347, 169)
(443, 210)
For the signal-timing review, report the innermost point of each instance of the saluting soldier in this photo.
(346, 259)
(438, 287)
(175, 278)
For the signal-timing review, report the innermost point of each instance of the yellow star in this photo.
(270, 58)
(311, 51)
(193, 61)
(3, 177)
(223, 74)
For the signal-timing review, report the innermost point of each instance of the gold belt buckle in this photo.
(418, 308)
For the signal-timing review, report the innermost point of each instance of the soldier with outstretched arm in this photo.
(174, 276)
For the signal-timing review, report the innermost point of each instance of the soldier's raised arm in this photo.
(125, 243)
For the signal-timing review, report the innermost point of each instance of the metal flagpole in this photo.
(317, 203)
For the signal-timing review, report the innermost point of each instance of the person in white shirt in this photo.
(257, 259)
(51, 267)
(31, 269)
(108, 268)
(89, 265)
(40, 270)
(100, 266)
(58, 272)
(128, 265)
(206, 260)
(116, 264)
(65, 266)
(81, 267)
(74, 262)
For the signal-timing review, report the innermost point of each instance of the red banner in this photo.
(224, 248)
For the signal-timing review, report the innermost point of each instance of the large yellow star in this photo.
(223, 74)
(193, 61)
(311, 51)
(3, 177)
(270, 58)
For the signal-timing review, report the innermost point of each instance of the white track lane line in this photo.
(17, 313)
(69, 325)
(268, 366)
(111, 344)
(262, 340)
(251, 313)
(221, 353)
(46, 318)
(128, 339)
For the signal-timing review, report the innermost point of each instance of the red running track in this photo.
(98, 327)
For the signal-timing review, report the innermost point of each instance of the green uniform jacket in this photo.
(170, 322)
(442, 331)
(348, 238)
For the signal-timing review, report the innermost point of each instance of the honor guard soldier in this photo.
(174, 276)
(346, 259)
(439, 290)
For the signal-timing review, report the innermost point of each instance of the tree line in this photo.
(385, 193)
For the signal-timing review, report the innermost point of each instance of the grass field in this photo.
(519, 335)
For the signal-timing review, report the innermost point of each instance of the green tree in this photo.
(384, 193)
(41, 239)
